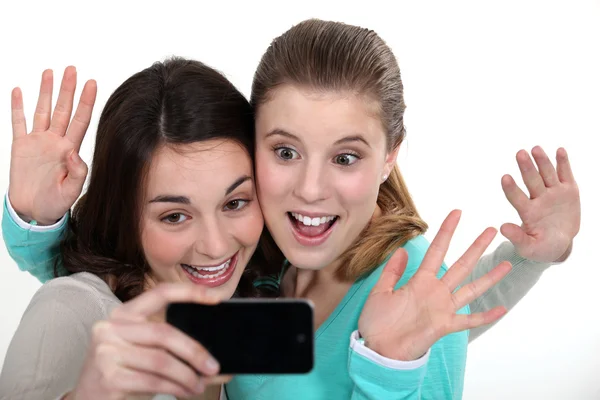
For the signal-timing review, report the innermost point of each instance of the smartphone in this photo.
(251, 336)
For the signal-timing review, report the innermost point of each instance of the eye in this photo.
(236, 204)
(175, 218)
(346, 159)
(285, 153)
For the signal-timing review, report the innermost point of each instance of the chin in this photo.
(310, 260)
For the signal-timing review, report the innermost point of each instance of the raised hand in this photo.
(46, 172)
(551, 214)
(135, 352)
(403, 324)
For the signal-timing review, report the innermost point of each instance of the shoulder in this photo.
(82, 295)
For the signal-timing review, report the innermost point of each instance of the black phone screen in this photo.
(251, 336)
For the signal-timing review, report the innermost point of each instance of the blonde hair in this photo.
(332, 56)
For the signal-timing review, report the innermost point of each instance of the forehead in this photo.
(206, 165)
(325, 113)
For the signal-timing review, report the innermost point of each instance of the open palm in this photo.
(551, 214)
(403, 324)
(46, 172)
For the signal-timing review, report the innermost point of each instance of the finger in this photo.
(19, 125)
(473, 290)
(76, 173)
(217, 380)
(545, 166)
(41, 118)
(462, 322)
(530, 174)
(563, 166)
(434, 257)
(467, 262)
(517, 198)
(83, 114)
(64, 103)
(392, 272)
(156, 299)
(516, 235)
(135, 382)
(160, 363)
(164, 336)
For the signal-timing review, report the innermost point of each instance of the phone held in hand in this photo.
(251, 336)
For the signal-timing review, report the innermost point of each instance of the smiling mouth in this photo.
(312, 227)
(213, 275)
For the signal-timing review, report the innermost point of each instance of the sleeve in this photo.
(34, 248)
(378, 377)
(439, 374)
(509, 291)
(48, 349)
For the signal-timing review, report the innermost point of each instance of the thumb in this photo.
(76, 173)
(516, 235)
(392, 272)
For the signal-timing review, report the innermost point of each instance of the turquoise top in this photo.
(341, 373)
(34, 252)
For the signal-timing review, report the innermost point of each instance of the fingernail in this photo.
(212, 365)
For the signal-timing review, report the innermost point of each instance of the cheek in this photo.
(162, 247)
(358, 189)
(271, 178)
(250, 226)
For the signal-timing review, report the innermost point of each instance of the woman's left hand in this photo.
(551, 214)
(403, 324)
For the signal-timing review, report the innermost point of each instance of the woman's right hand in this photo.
(136, 353)
(46, 172)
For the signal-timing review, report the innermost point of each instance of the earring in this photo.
(384, 177)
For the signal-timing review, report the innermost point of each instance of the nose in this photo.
(212, 240)
(311, 186)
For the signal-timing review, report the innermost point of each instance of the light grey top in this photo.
(48, 349)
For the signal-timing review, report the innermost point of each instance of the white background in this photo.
(482, 79)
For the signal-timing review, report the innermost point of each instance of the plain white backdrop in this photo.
(482, 80)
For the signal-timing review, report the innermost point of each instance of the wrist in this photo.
(393, 351)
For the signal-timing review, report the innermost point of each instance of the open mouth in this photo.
(211, 275)
(312, 230)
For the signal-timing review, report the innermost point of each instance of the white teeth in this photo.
(308, 221)
(196, 271)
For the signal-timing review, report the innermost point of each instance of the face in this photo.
(200, 220)
(320, 159)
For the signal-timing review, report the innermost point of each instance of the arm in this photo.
(34, 248)
(550, 220)
(46, 174)
(509, 291)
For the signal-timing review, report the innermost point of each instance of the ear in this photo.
(390, 161)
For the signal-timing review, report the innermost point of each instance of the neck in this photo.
(307, 280)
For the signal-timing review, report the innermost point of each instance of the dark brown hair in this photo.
(174, 102)
(331, 56)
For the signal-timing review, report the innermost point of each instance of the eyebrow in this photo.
(237, 183)
(185, 200)
(171, 199)
(347, 139)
